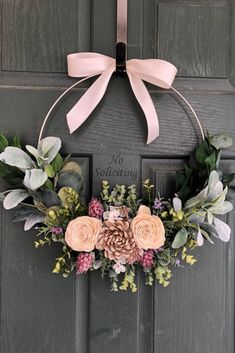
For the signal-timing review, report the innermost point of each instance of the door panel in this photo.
(42, 312)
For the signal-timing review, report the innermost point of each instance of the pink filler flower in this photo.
(147, 259)
(95, 208)
(84, 262)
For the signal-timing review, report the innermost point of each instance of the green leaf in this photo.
(202, 152)
(180, 180)
(180, 239)
(48, 185)
(228, 178)
(4, 169)
(50, 171)
(160, 270)
(16, 142)
(221, 141)
(210, 161)
(3, 142)
(57, 163)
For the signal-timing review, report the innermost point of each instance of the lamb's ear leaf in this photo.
(34, 178)
(196, 199)
(209, 228)
(177, 204)
(15, 157)
(221, 209)
(221, 141)
(33, 219)
(213, 180)
(22, 213)
(32, 150)
(14, 198)
(180, 239)
(223, 229)
(200, 239)
(48, 148)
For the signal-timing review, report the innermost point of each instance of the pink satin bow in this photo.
(158, 72)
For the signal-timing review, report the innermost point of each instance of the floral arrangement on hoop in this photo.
(117, 231)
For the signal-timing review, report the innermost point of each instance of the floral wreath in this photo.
(118, 231)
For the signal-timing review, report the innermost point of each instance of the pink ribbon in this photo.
(155, 71)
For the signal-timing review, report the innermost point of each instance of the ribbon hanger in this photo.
(89, 64)
(121, 44)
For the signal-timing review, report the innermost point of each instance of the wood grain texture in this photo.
(41, 312)
(116, 117)
(212, 3)
(81, 306)
(200, 299)
(125, 324)
(37, 307)
(116, 128)
(232, 43)
(162, 173)
(38, 34)
(196, 39)
(104, 37)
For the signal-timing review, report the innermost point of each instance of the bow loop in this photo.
(88, 64)
(159, 72)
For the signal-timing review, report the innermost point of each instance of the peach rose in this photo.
(81, 233)
(148, 230)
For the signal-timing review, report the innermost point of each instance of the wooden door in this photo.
(44, 313)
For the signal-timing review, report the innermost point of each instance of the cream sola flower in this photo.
(202, 208)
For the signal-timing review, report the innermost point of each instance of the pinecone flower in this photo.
(95, 208)
(84, 262)
(117, 241)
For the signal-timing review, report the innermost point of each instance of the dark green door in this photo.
(44, 313)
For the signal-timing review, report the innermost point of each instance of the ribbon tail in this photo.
(87, 103)
(142, 95)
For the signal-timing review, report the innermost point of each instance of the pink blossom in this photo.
(119, 267)
(147, 259)
(84, 262)
(95, 208)
(114, 214)
(57, 230)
